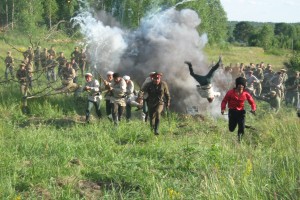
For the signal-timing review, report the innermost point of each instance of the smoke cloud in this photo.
(162, 42)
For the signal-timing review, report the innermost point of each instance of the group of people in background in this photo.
(258, 81)
(266, 84)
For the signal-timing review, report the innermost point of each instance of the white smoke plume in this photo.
(162, 43)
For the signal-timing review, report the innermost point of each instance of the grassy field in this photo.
(248, 55)
(52, 154)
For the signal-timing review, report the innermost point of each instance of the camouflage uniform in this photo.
(52, 52)
(276, 84)
(292, 90)
(62, 60)
(260, 76)
(22, 77)
(51, 64)
(9, 63)
(273, 99)
(44, 57)
(76, 68)
(37, 58)
(68, 74)
(76, 55)
(29, 54)
(82, 61)
(266, 82)
(29, 70)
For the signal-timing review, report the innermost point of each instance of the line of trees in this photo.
(32, 16)
(266, 35)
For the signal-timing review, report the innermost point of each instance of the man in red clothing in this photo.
(236, 99)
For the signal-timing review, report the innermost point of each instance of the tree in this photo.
(265, 37)
(28, 14)
(242, 32)
(50, 12)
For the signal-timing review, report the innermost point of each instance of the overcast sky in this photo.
(262, 10)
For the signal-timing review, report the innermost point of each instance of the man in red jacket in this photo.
(235, 99)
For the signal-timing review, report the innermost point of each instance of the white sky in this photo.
(262, 10)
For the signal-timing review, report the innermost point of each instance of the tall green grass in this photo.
(52, 154)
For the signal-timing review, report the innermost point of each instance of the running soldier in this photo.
(118, 90)
(94, 96)
(107, 95)
(129, 94)
(158, 96)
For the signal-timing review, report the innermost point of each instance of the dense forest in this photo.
(36, 16)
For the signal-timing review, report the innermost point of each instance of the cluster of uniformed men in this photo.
(119, 93)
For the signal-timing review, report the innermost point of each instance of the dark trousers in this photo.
(154, 115)
(128, 111)
(204, 80)
(237, 117)
(90, 105)
(108, 107)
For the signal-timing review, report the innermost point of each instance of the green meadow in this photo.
(52, 154)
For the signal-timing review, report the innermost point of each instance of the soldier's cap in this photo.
(273, 92)
(22, 64)
(8, 52)
(126, 78)
(151, 73)
(156, 75)
(116, 75)
(283, 70)
(240, 81)
(110, 73)
(88, 74)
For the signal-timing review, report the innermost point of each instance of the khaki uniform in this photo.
(52, 52)
(22, 77)
(68, 74)
(44, 57)
(82, 62)
(37, 59)
(158, 95)
(62, 60)
(75, 54)
(118, 99)
(9, 63)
